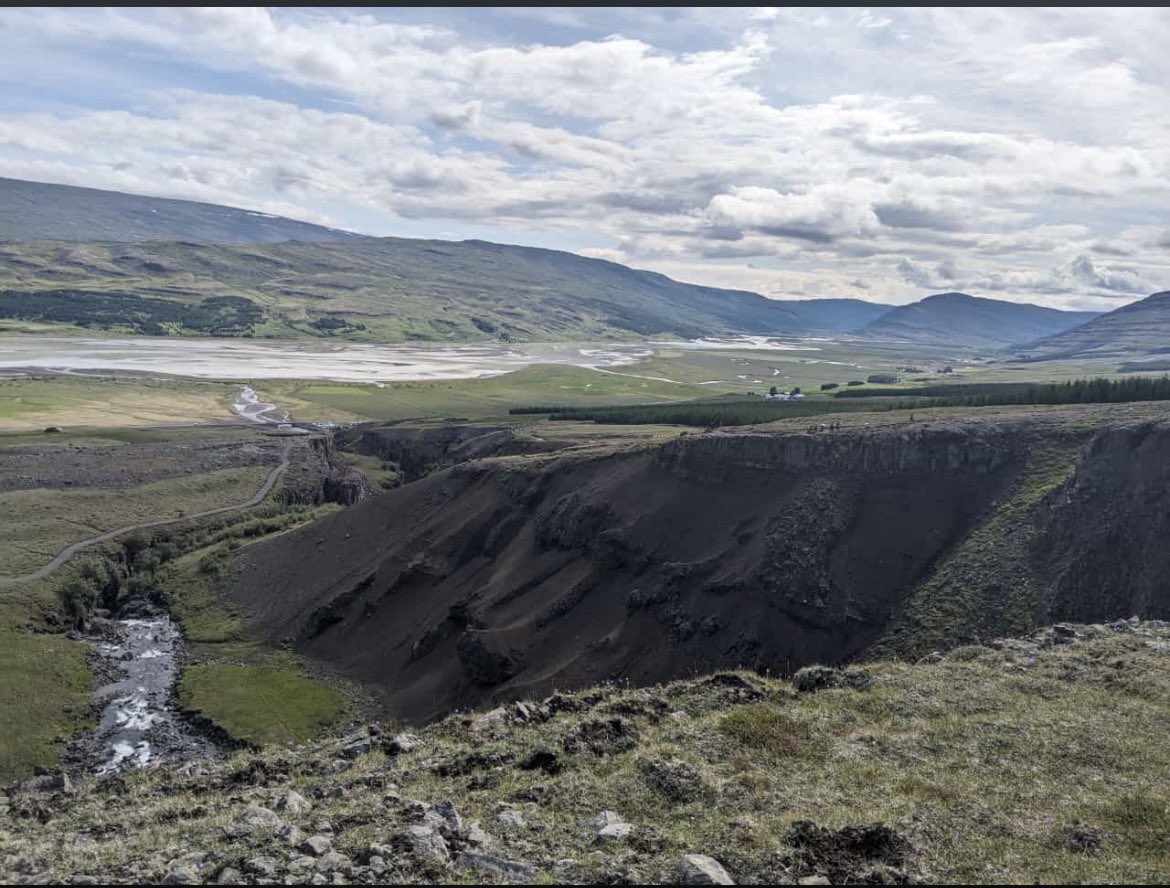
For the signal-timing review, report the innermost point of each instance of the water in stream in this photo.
(139, 722)
(249, 406)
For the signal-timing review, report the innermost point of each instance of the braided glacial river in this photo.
(342, 362)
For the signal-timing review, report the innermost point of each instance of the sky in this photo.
(883, 154)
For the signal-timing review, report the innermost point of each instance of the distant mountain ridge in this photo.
(972, 321)
(172, 267)
(158, 266)
(382, 289)
(1137, 329)
(40, 211)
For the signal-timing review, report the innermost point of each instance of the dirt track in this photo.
(73, 549)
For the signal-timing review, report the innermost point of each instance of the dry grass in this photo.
(985, 764)
(35, 403)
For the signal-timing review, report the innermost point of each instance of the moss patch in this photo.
(44, 698)
(260, 705)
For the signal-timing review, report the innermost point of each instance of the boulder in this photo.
(182, 875)
(475, 836)
(332, 861)
(257, 816)
(452, 823)
(425, 843)
(318, 846)
(261, 866)
(357, 748)
(293, 803)
(402, 743)
(699, 869)
(609, 827)
(489, 720)
(510, 818)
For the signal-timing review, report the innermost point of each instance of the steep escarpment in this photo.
(1079, 536)
(1103, 533)
(415, 451)
(318, 476)
(508, 577)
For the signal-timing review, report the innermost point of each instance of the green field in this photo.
(248, 691)
(261, 704)
(75, 401)
(479, 398)
(44, 695)
(52, 519)
(671, 374)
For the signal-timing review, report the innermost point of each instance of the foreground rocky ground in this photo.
(1036, 759)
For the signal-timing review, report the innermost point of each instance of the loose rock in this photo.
(318, 846)
(403, 743)
(333, 861)
(183, 875)
(293, 803)
(254, 815)
(512, 819)
(425, 843)
(509, 869)
(699, 869)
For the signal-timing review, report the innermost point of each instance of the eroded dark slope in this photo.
(508, 577)
(504, 576)
(1103, 539)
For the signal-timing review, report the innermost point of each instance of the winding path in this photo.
(73, 549)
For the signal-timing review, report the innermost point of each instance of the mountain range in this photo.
(384, 289)
(135, 264)
(149, 265)
(972, 321)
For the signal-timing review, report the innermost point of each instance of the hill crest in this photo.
(972, 321)
(43, 211)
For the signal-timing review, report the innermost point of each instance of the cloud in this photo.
(1020, 151)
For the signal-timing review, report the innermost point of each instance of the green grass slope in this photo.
(381, 289)
(1139, 329)
(1038, 759)
(971, 321)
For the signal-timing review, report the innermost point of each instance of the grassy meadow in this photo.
(33, 403)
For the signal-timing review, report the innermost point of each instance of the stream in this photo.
(249, 406)
(139, 722)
